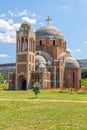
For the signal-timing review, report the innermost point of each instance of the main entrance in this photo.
(23, 85)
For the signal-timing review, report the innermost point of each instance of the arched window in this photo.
(22, 40)
(26, 44)
(22, 44)
(54, 43)
(73, 77)
(40, 42)
(33, 46)
(18, 45)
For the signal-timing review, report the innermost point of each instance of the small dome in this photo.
(49, 32)
(26, 24)
(39, 60)
(64, 55)
(71, 62)
(42, 66)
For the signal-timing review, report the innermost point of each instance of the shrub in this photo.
(36, 88)
(3, 86)
(81, 91)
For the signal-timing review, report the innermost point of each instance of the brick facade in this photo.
(51, 66)
(72, 78)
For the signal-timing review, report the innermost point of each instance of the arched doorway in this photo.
(24, 85)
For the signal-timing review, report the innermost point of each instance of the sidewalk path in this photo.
(40, 100)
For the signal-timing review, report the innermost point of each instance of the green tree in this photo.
(84, 73)
(5, 78)
(36, 88)
(84, 82)
(1, 78)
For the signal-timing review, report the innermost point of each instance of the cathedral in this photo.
(42, 57)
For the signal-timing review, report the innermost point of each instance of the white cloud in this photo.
(65, 8)
(8, 31)
(10, 13)
(16, 26)
(4, 56)
(8, 37)
(85, 42)
(23, 13)
(27, 19)
(78, 50)
(69, 49)
(4, 25)
(8, 26)
(10, 21)
(33, 15)
(2, 15)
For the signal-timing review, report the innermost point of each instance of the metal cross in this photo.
(48, 20)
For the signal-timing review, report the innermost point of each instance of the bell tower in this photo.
(25, 56)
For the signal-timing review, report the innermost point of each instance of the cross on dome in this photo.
(48, 20)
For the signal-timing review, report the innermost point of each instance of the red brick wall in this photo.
(21, 58)
(42, 77)
(54, 50)
(12, 78)
(21, 68)
(72, 77)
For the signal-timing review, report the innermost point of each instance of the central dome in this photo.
(49, 32)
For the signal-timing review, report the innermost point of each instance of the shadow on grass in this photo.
(8, 89)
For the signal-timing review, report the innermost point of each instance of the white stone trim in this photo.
(20, 53)
(21, 62)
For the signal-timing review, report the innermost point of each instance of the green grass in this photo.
(37, 115)
(43, 95)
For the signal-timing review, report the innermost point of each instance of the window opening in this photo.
(54, 43)
(40, 42)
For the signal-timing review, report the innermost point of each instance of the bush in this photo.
(1, 78)
(81, 91)
(3, 86)
(84, 82)
(36, 89)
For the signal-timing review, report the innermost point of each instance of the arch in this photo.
(26, 44)
(23, 86)
(18, 45)
(22, 83)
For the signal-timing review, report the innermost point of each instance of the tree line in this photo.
(84, 73)
(3, 78)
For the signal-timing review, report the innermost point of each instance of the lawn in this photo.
(20, 110)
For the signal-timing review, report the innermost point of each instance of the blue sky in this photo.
(70, 16)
